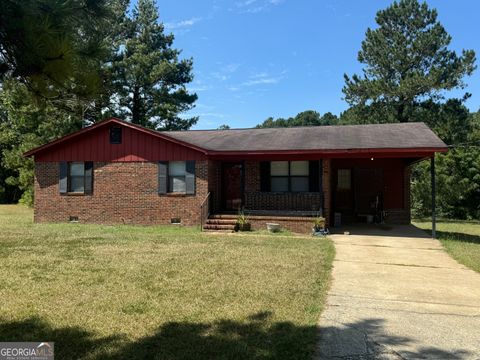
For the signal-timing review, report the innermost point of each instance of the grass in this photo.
(127, 292)
(460, 238)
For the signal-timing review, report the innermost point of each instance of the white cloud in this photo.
(262, 81)
(259, 75)
(260, 78)
(230, 68)
(225, 71)
(198, 88)
(182, 24)
(256, 6)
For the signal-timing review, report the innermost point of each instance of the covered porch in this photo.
(347, 174)
(292, 191)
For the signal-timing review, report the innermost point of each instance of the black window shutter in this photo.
(314, 176)
(265, 176)
(63, 177)
(88, 177)
(162, 177)
(190, 177)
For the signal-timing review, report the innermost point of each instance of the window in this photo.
(177, 172)
(176, 177)
(115, 135)
(279, 172)
(76, 177)
(289, 176)
(344, 179)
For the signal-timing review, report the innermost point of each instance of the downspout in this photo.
(434, 214)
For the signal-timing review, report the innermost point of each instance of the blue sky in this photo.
(259, 58)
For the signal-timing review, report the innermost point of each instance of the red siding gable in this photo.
(137, 145)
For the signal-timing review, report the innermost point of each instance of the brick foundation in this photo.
(300, 225)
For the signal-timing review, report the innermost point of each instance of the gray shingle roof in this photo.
(347, 137)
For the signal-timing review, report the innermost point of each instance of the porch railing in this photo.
(204, 210)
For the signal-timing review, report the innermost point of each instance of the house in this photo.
(115, 172)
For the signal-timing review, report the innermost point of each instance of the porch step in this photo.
(222, 221)
(224, 216)
(216, 227)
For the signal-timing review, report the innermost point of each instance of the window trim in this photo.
(289, 178)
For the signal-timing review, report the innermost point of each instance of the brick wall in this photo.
(257, 200)
(295, 224)
(122, 193)
(214, 184)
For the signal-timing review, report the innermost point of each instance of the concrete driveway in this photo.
(397, 295)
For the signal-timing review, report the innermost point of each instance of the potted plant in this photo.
(318, 224)
(272, 227)
(243, 224)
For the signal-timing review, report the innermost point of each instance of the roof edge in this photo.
(442, 149)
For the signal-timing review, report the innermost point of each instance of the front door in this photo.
(232, 184)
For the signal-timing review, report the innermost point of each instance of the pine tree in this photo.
(52, 46)
(149, 78)
(407, 61)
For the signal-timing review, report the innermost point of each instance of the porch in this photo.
(293, 192)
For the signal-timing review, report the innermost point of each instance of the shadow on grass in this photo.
(461, 237)
(255, 338)
(456, 236)
(70, 342)
(448, 221)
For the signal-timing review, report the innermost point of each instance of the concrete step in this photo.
(218, 231)
(224, 216)
(218, 227)
(222, 221)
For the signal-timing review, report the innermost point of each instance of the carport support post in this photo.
(434, 214)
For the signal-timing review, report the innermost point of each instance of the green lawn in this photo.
(126, 292)
(460, 238)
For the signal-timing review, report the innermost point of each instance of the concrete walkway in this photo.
(398, 295)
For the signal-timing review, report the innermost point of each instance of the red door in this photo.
(232, 183)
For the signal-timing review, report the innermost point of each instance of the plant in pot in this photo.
(243, 224)
(318, 224)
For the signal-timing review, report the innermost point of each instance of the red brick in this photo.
(123, 193)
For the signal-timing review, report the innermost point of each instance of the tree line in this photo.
(65, 65)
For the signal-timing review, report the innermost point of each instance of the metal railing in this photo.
(204, 210)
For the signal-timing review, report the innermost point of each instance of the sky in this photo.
(259, 58)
